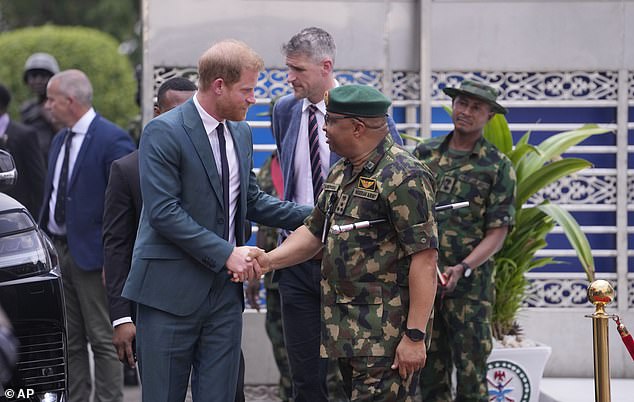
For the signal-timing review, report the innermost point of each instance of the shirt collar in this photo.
(444, 145)
(321, 106)
(82, 125)
(376, 155)
(209, 122)
(4, 123)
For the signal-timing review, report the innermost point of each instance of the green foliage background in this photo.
(119, 18)
(94, 52)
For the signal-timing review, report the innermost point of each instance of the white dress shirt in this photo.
(301, 164)
(80, 129)
(210, 124)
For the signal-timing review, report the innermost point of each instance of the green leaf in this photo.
(547, 175)
(497, 132)
(575, 236)
(557, 144)
(411, 137)
(520, 151)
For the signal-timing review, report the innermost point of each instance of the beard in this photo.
(232, 110)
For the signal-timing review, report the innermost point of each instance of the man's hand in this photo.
(453, 273)
(263, 259)
(242, 266)
(410, 357)
(122, 338)
(252, 293)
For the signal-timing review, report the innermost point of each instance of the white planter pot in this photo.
(513, 374)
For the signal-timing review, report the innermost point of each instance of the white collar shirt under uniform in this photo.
(80, 129)
(210, 124)
(301, 164)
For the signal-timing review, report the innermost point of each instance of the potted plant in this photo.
(536, 166)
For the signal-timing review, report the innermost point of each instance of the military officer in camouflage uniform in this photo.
(378, 283)
(467, 168)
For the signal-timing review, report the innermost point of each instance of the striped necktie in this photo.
(313, 146)
(224, 167)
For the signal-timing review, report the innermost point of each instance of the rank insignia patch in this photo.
(367, 184)
(447, 184)
(341, 205)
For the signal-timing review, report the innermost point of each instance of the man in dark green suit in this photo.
(192, 231)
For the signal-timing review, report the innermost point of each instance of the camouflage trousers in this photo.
(275, 332)
(461, 338)
(373, 379)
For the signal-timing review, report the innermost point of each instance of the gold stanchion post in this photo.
(601, 293)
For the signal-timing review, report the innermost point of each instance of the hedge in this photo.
(93, 52)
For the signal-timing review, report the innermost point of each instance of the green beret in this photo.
(357, 100)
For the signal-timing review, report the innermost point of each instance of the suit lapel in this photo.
(242, 144)
(82, 151)
(290, 142)
(197, 135)
(242, 151)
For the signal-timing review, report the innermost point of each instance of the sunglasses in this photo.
(328, 119)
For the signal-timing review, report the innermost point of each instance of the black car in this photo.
(31, 294)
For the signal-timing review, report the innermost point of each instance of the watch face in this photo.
(467, 272)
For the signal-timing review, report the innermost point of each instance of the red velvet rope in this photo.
(626, 337)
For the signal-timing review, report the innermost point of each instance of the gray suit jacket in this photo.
(180, 254)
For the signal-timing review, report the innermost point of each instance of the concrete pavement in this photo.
(552, 390)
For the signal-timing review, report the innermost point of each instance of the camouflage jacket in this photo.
(365, 285)
(484, 177)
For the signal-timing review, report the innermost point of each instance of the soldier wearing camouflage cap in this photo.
(378, 283)
(467, 168)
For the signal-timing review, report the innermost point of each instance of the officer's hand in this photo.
(122, 338)
(453, 273)
(242, 266)
(262, 259)
(410, 357)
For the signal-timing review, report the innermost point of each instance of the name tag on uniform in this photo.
(331, 187)
(370, 195)
(366, 188)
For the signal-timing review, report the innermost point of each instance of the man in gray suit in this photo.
(198, 188)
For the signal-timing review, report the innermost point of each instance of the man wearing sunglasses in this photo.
(378, 282)
(305, 159)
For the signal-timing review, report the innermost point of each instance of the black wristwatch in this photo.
(467, 269)
(415, 335)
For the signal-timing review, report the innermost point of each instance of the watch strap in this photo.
(467, 271)
(415, 334)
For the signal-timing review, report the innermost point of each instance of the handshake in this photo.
(247, 263)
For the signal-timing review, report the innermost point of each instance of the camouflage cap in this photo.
(357, 100)
(478, 90)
